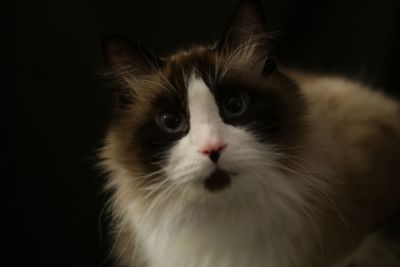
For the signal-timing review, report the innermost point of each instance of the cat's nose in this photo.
(214, 152)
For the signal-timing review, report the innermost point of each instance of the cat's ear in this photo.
(246, 20)
(122, 54)
(246, 34)
(129, 62)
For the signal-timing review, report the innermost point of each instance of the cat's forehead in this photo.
(180, 67)
(215, 68)
(168, 84)
(193, 56)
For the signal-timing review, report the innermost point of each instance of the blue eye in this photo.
(171, 122)
(235, 104)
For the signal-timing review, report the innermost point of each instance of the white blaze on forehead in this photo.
(202, 106)
(206, 126)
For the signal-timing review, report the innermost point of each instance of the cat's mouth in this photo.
(218, 180)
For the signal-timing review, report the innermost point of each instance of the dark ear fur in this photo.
(247, 19)
(247, 23)
(127, 59)
(121, 53)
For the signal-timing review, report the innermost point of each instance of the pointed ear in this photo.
(246, 20)
(123, 54)
(245, 36)
(129, 62)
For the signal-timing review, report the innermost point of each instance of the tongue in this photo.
(217, 181)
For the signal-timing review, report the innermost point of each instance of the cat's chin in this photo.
(218, 180)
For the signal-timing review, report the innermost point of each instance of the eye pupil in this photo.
(171, 122)
(235, 105)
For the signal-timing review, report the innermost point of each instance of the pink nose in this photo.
(212, 149)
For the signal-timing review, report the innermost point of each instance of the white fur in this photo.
(206, 125)
(252, 223)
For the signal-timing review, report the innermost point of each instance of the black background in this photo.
(57, 105)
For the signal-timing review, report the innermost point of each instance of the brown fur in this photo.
(365, 131)
(365, 126)
(342, 134)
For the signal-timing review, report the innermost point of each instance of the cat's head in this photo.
(204, 122)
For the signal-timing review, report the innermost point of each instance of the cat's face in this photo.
(205, 122)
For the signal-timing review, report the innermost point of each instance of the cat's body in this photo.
(218, 159)
(363, 126)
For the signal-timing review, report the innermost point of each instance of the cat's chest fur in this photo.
(240, 236)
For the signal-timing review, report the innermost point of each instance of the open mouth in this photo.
(217, 181)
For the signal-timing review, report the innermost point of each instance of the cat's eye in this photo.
(171, 122)
(235, 104)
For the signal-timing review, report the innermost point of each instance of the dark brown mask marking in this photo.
(217, 181)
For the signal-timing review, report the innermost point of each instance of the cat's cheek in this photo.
(186, 165)
(242, 150)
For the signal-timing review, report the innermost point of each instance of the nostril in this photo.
(214, 156)
(210, 149)
(206, 152)
(220, 148)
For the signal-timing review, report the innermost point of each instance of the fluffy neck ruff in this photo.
(256, 230)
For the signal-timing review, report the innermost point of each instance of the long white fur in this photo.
(257, 221)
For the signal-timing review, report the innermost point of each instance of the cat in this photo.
(217, 156)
